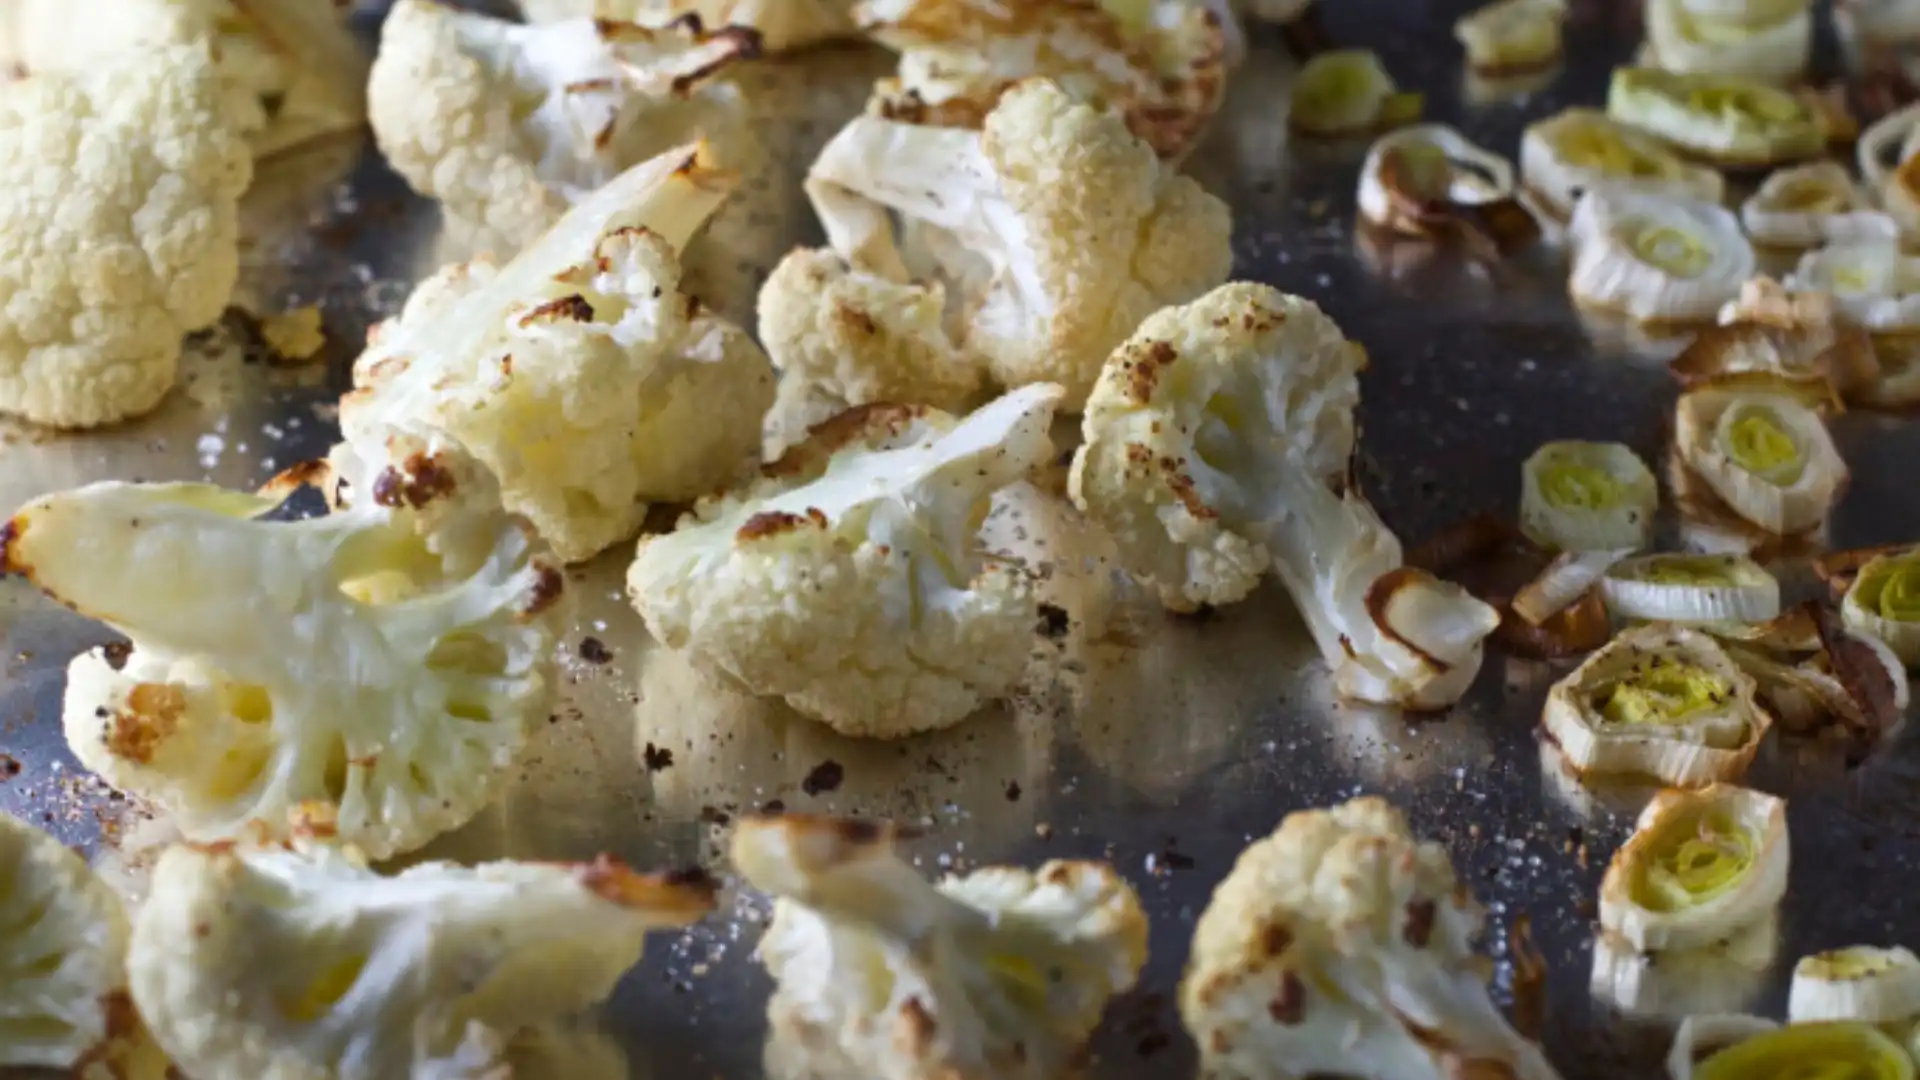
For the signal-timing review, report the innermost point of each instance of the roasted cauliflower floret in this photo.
(998, 975)
(367, 681)
(63, 976)
(292, 70)
(579, 374)
(851, 580)
(1163, 70)
(1342, 945)
(121, 231)
(1216, 447)
(782, 24)
(1056, 229)
(844, 337)
(509, 125)
(301, 964)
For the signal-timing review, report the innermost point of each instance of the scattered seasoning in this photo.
(824, 777)
(774, 806)
(116, 653)
(713, 815)
(656, 758)
(1529, 980)
(1054, 622)
(9, 766)
(1043, 830)
(595, 651)
(1013, 791)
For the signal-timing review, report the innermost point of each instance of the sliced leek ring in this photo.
(1587, 496)
(1656, 259)
(1772, 48)
(1416, 174)
(1699, 867)
(1841, 1051)
(1873, 283)
(1898, 384)
(1700, 1037)
(1794, 337)
(1564, 582)
(1808, 205)
(1659, 701)
(1580, 149)
(1727, 119)
(1723, 977)
(1766, 455)
(1860, 982)
(1346, 91)
(1691, 589)
(1509, 36)
(1883, 603)
(1886, 143)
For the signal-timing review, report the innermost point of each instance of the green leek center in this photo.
(1710, 858)
(1572, 485)
(1673, 250)
(1893, 592)
(1337, 85)
(1834, 1051)
(1592, 146)
(1811, 197)
(1698, 571)
(1668, 694)
(1760, 444)
(1740, 103)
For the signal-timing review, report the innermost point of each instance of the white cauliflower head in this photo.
(283, 670)
(578, 373)
(1217, 446)
(509, 125)
(843, 337)
(63, 978)
(291, 67)
(998, 975)
(121, 231)
(851, 581)
(299, 963)
(1164, 71)
(1057, 228)
(1342, 945)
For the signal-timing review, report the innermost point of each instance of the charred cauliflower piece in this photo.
(850, 581)
(578, 373)
(282, 670)
(301, 964)
(1217, 444)
(998, 975)
(1165, 72)
(63, 977)
(1056, 230)
(291, 68)
(843, 337)
(509, 125)
(121, 231)
(1341, 945)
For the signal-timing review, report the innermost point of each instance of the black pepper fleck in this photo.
(824, 777)
(656, 758)
(594, 651)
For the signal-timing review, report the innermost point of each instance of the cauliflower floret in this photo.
(282, 669)
(121, 232)
(579, 374)
(1060, 230)
(783, 25)
(851, 582)
(292, 69)
(1163, 68)
(1342, 945)
(301, 964)
(1217, 445)
(843, 337)
(998, 975)
(509, 125)
(63, 979)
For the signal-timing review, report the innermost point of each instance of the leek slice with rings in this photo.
(1860, 982)
(1827, 1051)
(1659, 701)
(1587, 496)
(1723, 977)
(1348, 91)
(1874, 284)
(1727, 119)
(1580, 149)
(1886, 154)
(1510, 36)
(1699, 867)
(1691, 589)
(1805, 206)
(1769, 45)
(1764, 452)
(1883, 603)
(1656, 259)
(1420, 180)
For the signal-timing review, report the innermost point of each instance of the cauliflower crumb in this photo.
(295, 335)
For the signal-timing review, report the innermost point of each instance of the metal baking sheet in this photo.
(1162, 744)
